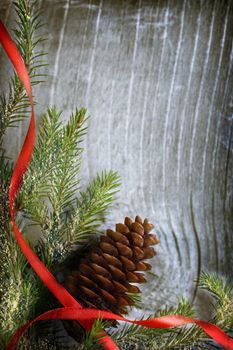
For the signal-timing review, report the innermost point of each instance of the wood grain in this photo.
(156, 77)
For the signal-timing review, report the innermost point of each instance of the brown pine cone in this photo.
(103, 278)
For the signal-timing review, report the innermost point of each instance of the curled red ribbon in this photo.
(72, 310)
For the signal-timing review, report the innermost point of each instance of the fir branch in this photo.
(91, 207)
(90, 340)
(26, 37)
(62, 228)
(51, 182)
(52, 171)
(222, 292)
(183, 308)
(64, 180)
(15, 106)
(18, 288)
(35, 186)
(160, 339)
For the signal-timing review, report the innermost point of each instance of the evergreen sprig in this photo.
(15, 106)
(63, 187)
(48, 196)
(19, 290)
(51, 182)
(91, 207)
(52, 173)
(222, 292)
(90, 340)
(134, 335)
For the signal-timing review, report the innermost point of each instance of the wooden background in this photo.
(156, 77)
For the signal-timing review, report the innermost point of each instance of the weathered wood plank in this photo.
(156, 77)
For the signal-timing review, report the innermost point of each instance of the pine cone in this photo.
(103, 278)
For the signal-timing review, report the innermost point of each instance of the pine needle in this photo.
(222, 291)
(15, 106)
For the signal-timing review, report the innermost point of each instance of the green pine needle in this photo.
(159, 339)
(91, 207)
(52, 173)
(51, 182)
(15, 106)
(19, 291)
(90, 340)
(222, 292)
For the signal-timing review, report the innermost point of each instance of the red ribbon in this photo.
(72, 310)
